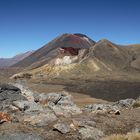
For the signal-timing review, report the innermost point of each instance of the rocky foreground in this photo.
(28, 115)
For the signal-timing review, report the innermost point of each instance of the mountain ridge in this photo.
(7, 62)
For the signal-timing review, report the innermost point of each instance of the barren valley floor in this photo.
(84, 93)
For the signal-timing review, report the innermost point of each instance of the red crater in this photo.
(74, 41)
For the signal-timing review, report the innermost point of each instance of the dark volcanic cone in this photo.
(72, 42)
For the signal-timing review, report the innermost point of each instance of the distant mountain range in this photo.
(7, 62)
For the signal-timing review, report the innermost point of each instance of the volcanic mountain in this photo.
(72, 55)
(6, 62)
(68, 43)
(101, 58)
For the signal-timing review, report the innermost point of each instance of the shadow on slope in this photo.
(108, 90)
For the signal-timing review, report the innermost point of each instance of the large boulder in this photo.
(61, 103)
(40, 119)
(26, 92)
(50, 97)
(66, 111)
(8, 94)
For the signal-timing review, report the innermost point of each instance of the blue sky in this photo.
(29, 24)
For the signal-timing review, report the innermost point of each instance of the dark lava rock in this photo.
(20, 136)
(8, 94)
(8, 87)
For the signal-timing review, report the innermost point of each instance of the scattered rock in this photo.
(117, 112)
(41, 119)
(73, 127)
(8, 94)
(102, 108)
(110, 108)
(86, 133)
(20, 136)
(50, 97)
(137, 103)
(59, 98)
(15, 119)
(13, 109)
(127, 103)
(66, 100)
(66, 111)
(28, 94)
(41, 110)
(62, 128)
(136, 130)
(82, 122)
(4, 117)
(62, 104)
(27, 106)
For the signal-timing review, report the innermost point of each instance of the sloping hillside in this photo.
(111, 54)
(135, 48)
